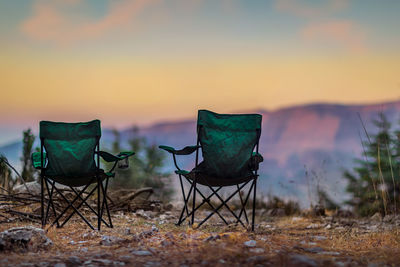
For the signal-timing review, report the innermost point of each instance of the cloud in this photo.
(305, 9)
(51, 20)
(322, 26)
(343, 32)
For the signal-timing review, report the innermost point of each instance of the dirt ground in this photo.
(152, 239)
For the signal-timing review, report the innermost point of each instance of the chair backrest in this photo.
(70, 147)
(227, 142)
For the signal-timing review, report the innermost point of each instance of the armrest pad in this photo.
(257, 157)
(36, 160)
(255, 160)
(112, 158)
(184, 151)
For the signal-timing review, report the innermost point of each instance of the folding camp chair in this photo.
(70, 155)
(229, 145)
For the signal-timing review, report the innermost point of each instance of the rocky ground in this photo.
(150, 239)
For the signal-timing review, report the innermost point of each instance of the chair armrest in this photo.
(113, 158)
(255, 160)
(37, 161)
(257, 157)
(184, 151)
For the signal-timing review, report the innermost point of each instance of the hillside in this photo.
(302, 145)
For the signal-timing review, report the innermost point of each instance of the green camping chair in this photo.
(229, 145)
(70, 155)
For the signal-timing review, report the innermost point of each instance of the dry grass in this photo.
(277, 241)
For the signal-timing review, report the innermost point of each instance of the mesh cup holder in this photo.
(123, 163)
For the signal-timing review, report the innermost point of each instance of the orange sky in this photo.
(140, 61)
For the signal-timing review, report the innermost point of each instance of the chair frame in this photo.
(99, 187)
(194, 189)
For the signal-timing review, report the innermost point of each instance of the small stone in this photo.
(152, 264)
(212, 238)
(319, 237)
(328, 226)
(103, 261)
(250, 243)
(308, 243)
(60, 265)
(331, 253)
(313, 226)
(125, 258)
(377, 217)
(142, 214)
(103, 255)
(141, 253)
(389, 218)
(169, 235)
(107, 240)
(73, 260)
(257, 250)
(314, 249)
(257, 259)
(297, 219)
(168, 207)
(166, 243)
(302, 260)
(127, 231)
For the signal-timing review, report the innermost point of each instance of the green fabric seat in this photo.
(229, 147)
(69, 156)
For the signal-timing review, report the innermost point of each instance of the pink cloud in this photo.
(51, 22)
(305, 9)
(342, 32)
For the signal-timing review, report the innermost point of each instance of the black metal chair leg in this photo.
(50, 202)
(254, 204)
(243, 206)
(42, 200)
(105, 204)
(246, 200)
(185, 199)
(183, 193)
(98, 204)
(194, 201)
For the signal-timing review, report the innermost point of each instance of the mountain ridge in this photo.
(302, 145)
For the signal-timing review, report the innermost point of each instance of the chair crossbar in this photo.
(70, 205)
(205, 200)
(224, 204)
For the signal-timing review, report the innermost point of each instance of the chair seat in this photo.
(208, 180)
(79, 181)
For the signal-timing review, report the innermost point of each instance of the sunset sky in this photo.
(141, 61)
